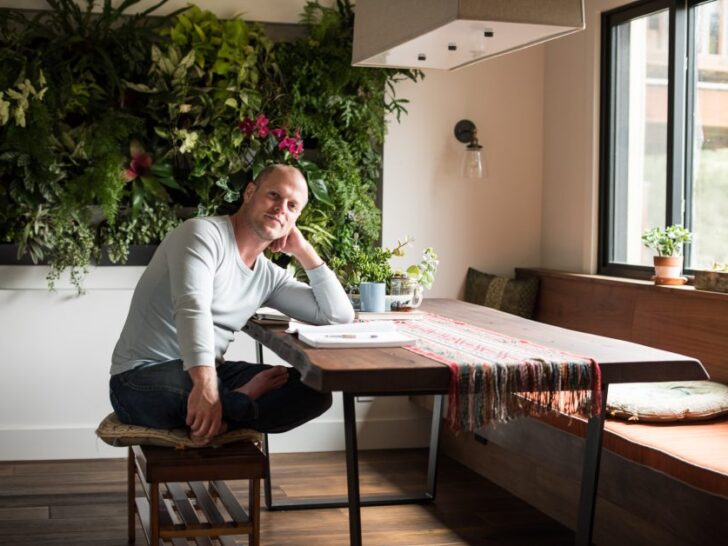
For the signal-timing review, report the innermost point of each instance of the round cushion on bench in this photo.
(668, 401)
(115, 433)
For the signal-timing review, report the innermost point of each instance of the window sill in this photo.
(687, 290)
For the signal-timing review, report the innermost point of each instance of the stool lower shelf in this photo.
(205, 509)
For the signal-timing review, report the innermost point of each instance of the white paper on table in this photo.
(350, 328)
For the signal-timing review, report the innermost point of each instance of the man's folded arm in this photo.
(323, 301)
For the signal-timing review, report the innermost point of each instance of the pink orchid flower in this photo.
(285, 143)
(140, 164)
(261, 124)
(279, 133)
(246, 126)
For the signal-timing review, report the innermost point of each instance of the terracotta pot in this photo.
(668, 270)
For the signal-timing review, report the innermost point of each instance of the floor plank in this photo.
(83, 503)
(24, 513)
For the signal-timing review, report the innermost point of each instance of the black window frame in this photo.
(681, 102)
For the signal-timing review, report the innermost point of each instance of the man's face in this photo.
(273, 207)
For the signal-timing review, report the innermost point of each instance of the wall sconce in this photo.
(473, 165)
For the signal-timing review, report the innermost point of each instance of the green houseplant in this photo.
(409, 286)
(668, 242)
(114, 127)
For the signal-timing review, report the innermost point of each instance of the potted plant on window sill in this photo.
(668, 243)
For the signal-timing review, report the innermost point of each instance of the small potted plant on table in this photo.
(668, 243)
(413, 283)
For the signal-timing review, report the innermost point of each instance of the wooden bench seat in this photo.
(695, 453)
(675, 319)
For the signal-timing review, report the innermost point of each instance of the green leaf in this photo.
(153, 187)
(221, 67)
(161, 132)
(200, 33)
(319, 189)
(137, 200)
(170, 183)
(258, 166)
(142, 88)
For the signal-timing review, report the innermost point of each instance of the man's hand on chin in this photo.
(295, 244)
(204, 410)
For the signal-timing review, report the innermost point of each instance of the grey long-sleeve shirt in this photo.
(196, 292)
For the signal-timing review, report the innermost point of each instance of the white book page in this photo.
(355, 340)
(351, 328)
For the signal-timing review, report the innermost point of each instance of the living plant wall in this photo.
(116, 127)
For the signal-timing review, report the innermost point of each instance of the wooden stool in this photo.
(174, 514)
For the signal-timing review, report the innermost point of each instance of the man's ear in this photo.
(249, 191)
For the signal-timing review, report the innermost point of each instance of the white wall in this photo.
(55, 347)
(492, 224)
(571, 146)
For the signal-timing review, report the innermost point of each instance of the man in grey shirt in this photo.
(206, 279)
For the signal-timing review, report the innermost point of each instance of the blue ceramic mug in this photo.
(371, 295)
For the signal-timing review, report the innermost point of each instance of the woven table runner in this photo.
(487, 368)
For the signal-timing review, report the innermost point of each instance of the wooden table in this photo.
(390, 371)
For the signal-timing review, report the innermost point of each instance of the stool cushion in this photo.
(115, 433)
(668, 401)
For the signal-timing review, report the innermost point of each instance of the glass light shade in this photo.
(473, 165)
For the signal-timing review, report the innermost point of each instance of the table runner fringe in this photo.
(483, 394)
(488, 368)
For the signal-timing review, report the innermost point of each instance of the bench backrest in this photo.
(683, 320)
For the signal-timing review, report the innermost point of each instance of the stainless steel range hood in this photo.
(450, 34)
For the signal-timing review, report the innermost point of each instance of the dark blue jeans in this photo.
(155, 395)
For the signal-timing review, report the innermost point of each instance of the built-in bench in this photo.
(660, 483)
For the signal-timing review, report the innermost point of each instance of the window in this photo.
(664, 142)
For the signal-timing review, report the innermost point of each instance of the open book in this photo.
(355, 335)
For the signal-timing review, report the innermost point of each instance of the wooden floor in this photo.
(83, 503)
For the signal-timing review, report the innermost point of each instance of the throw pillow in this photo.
(117, 434)
(669, 401)
(515, 296)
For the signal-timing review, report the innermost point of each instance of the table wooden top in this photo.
(390, 370)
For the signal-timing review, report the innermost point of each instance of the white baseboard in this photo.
(82, 443)
(54, 443)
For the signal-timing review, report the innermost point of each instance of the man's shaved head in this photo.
(274, 171)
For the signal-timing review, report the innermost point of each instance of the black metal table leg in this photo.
(267, 488)
(352, 471)
(431, 489)
(369, 500)
(259, 352)
(590, 474)
(267, 492)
